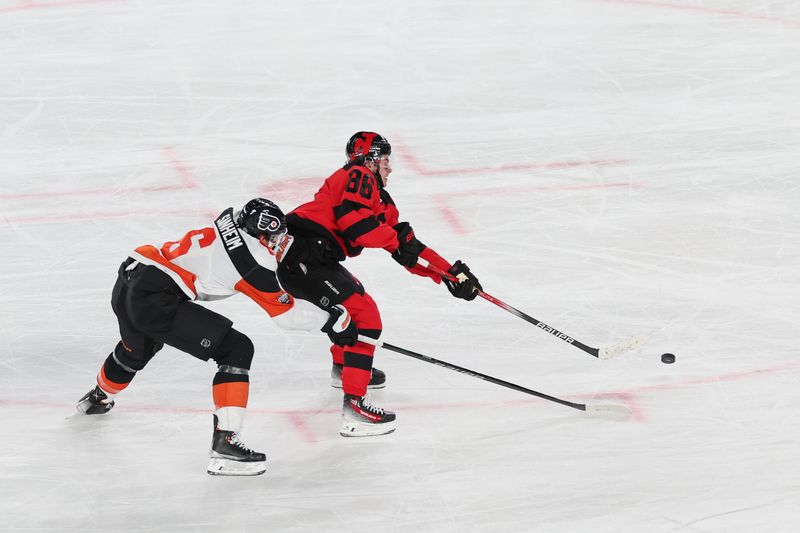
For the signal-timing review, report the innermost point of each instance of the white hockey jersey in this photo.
(219, 261)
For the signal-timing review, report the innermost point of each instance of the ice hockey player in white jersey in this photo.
(154, 301)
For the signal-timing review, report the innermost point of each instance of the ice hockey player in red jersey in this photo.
(352, 211)
(153, 299)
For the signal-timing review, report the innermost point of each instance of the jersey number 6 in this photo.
(202, 237)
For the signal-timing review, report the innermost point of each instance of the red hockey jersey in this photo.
(351, 210)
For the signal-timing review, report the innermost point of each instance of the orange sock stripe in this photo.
(107, 385)
(233, 394)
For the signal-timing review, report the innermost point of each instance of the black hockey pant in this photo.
(152, 311)
(328, 283)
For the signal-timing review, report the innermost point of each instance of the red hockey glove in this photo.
(409, 248)
(467, 285)
(340, 328)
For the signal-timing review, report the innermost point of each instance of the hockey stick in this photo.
(600, 353)
(590, 408)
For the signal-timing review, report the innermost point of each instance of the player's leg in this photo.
(168, 316)
(330, 284)
(349, 288)
(359, 417)
(115, 375)
(206, 335)
(377, 380)
(132, 353)
(229, 455)
(325, 285)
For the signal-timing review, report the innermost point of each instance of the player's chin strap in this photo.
(593, 408)
(600, 353)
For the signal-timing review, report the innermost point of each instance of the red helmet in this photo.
(367, 146)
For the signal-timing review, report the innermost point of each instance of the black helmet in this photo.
(260, 217)
(367, 146)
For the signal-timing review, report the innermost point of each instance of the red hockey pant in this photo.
(357, 359)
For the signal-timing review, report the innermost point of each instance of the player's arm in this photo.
(299, 315)
(463, 283)
(275, 303)
(429, 255)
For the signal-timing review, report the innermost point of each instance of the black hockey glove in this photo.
(466, 286)
(409, 249)
(340, 328)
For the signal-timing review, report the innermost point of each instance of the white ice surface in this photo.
(609, 167)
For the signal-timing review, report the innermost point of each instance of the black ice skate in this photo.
(94, 402)
(378, 380)
(361, 419)
(230, 457)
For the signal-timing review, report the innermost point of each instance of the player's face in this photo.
(272, 241)
(384, 169)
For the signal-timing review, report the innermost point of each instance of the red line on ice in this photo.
(457, 226)
(408, 158)
(29, 5)
(716, 379)
(185, 177)
(298, 416)
(299, 422)
(44, 219)
(708, 10)
(89, 192)
(290, 189)
(187, 180)
(450, 217)
(495, 191)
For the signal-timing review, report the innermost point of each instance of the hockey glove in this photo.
(467, 286)
(340, 328)
(409, 248)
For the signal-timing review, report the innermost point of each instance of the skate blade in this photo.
(85, 408)
(77, 414)
(352, 428)
(219, 466)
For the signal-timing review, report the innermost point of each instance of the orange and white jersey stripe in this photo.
(200, 265)
(203, 264)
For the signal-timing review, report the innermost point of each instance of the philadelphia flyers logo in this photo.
(268, 223)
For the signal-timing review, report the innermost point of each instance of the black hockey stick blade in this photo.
(595, 409)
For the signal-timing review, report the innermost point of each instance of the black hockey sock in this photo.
(113, 376)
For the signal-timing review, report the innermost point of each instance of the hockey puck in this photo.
(667, 358)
